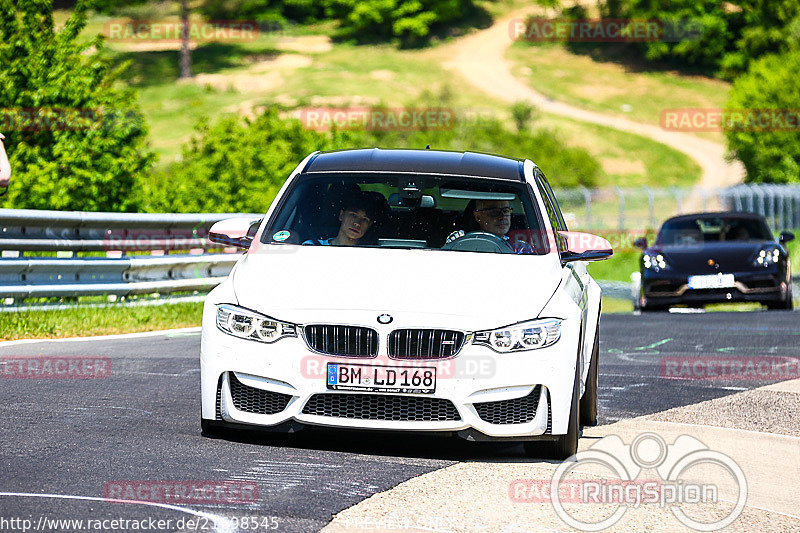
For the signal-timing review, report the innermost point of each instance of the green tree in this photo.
(722, 37)
(85, 145)
(771, 156)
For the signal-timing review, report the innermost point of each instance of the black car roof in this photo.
(717, 214)
(417, 161)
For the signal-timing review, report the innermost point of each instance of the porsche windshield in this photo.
(689, 231)
(408, 211)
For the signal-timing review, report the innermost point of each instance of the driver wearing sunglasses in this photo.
(494, 216)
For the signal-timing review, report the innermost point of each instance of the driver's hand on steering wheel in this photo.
(455, 235)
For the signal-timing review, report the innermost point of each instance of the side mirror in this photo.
(641, 242)
(237, 232)
(785, 237)
(584, 247)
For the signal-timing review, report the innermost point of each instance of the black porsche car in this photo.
(712, 258)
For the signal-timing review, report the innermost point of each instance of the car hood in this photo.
(418, 288)
(730, 256)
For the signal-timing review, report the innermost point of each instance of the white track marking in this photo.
(220, 522)
(179, 331)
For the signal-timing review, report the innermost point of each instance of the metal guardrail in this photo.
(25, 230)
(35, 278)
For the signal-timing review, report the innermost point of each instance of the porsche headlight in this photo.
(767, 256)
(529, 335)
(250, 325)
(654, 261)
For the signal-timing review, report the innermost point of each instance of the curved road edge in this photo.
(473, 496)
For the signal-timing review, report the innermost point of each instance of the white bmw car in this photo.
(407, 290)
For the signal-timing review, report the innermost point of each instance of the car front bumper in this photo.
(665, 288)
(278, 385)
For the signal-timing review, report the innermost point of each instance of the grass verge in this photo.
(609, 79)
(108, 320)
(616, 305)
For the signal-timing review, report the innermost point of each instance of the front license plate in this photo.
(374, 378)
(714, 281)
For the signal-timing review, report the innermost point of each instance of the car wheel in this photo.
(566, 445)
(786, 304)
(589, 401)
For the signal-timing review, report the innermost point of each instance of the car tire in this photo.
(787, 304)
(652, 308)
(565, 446)
(588, 408)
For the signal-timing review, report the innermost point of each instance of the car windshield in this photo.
(408, 211)
(712, 229)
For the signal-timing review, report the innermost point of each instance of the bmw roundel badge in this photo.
(385, 319)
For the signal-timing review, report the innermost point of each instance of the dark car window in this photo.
(712, 229)
(403, 210)
(553, 212)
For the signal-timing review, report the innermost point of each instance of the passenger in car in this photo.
(490, 216)
(356, 217)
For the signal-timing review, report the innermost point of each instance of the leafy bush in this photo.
(235, 165)
(238, 165)
(770, 83)
(408, 21)
(86, 163)
(729, 34)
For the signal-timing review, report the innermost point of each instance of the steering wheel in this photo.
(480, 241)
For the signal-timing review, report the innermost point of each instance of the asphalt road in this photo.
(73, 437)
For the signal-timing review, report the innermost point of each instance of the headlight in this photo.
(767, 257)
(247, 324)
(655, 262)
(523, 336)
